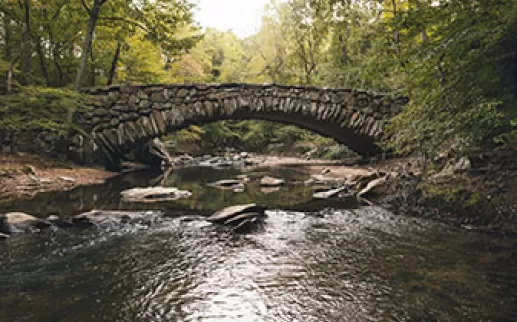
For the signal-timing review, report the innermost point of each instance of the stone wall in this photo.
(126, 116)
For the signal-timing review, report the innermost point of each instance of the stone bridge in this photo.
(124, 117)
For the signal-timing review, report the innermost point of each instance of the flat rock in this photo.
(229, 212)
(372, 186)
(328, 193)
(66, 179)
(268, 181)
(243, 216)
(107, 218)
(228, 184)
(154, 194)
(19, 222)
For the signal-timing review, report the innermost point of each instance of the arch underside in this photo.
(362, 144)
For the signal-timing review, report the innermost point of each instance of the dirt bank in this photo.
(24, 175)
(342, 171)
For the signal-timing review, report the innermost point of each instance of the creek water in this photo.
(312, 261)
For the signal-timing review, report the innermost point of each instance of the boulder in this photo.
(3, 236)
(19, 222)
(328, 193)
(228, 213)
(154, 194)
(153, 153)
(268, 181)
(242, 217)
(107, 218)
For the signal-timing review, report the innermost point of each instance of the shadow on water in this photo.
(362, 264)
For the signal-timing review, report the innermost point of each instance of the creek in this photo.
(312, 261)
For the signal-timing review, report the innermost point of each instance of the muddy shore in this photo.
(24, 175)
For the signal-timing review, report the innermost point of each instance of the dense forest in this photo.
(455, 60)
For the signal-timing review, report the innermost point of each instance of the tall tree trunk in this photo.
(42, 62)
(114, 62)
(88, 39)
(10, 77)
(26, 43)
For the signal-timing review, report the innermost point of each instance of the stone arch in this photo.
(123, 117)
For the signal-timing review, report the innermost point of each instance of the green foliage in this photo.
(58, 28)
(38, 109)
(455, 60)
(448, 52)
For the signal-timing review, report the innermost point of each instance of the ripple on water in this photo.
(336, 265)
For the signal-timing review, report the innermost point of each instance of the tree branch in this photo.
(85, 6)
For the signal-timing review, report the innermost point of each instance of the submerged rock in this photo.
(154, 194)
(19, 223)
(268, 190)
(107, 218)
(268, 181)
(229, 184)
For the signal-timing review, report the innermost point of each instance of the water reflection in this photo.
(362, 264)
(195, 179)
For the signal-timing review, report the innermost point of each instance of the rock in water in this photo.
(268, 181)
(228, 184)
(328, 193)
(19, 222)
(268, 190)
(372, 186)
(154, 194)
(59, 222)
(228, 213)
(3, 236)
(106, 218)
(247, 225)
(242, 217)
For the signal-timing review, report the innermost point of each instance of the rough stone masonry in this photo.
(123, 117)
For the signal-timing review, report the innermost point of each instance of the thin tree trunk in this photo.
(114, 62)
(42, 62)
(26, 44)
(88, 39)
(10, 76)
(343, 56)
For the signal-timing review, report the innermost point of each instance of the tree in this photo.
(93, 16)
